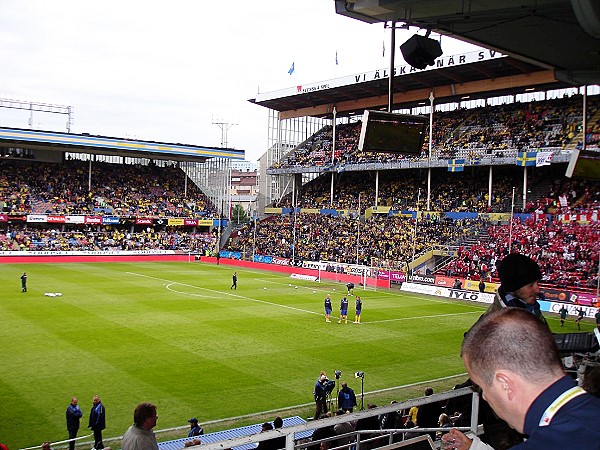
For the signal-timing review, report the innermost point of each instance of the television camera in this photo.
(329, 386)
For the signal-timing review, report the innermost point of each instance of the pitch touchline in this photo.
(421, 317)
(223, 293)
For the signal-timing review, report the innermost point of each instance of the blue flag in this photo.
(291, 71)
(526, 159)
(456, 165)
(336, 60)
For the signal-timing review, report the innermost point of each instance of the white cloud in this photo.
(163, 70)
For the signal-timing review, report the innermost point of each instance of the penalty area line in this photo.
(221, 293)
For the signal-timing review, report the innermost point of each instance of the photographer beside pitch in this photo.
(323, 386)
(513, 359)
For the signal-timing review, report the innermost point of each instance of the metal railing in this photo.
(387, 435)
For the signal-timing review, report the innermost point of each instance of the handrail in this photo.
(289, 432)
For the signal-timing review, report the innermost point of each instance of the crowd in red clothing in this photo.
(566, 252)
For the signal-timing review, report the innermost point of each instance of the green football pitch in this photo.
(176, 335)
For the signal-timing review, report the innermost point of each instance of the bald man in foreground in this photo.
(512, 357)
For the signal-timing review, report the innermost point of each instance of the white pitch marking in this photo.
(422, 317)
(168, 286)
(221, 293)
(290, 307)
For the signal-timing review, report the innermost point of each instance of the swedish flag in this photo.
(456, 165)
(526, 159)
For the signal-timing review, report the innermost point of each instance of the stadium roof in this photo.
(455, 78)
(533, 45)
(133, 148)
(559, 35)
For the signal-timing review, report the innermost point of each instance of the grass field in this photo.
(175, 334)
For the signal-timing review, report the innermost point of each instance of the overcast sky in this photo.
(165, 71)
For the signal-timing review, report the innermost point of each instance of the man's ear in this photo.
(506, 383)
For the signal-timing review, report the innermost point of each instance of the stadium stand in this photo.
(122, 190)
(465, 133)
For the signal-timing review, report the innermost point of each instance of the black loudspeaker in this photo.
(420, 51)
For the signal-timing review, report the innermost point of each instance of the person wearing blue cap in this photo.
(195, 429)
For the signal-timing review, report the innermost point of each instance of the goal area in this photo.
(364, 277)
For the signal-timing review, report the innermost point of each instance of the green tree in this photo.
(238, 215)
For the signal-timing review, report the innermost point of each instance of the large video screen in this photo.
(392, 133)
(584, 164)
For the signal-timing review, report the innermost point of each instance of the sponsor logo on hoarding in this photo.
(573, 310)
(74, 219)
(464, 295)
(299, 276)
(423, 279)
(39, 218)
(56, 219)
(281, 261)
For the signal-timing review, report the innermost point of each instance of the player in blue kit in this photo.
(328, 308)
(358, 309)
(350, 287)
(343, 310)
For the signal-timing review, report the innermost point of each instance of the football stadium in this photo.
(326, 307)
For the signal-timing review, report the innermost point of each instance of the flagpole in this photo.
(254, 246)
(431, 98)
(391, 74)
(598, 282)
(358, 229)
(294, 238)
(412, 269)
(524, 188)
(512, 211)
(333, 155)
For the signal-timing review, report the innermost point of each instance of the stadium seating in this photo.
(248, 430)
(30, 187)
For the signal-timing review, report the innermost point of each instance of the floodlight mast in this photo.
(39, 107)
(412, 268)
(224, 126)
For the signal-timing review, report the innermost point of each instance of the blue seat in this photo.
(248, 430)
